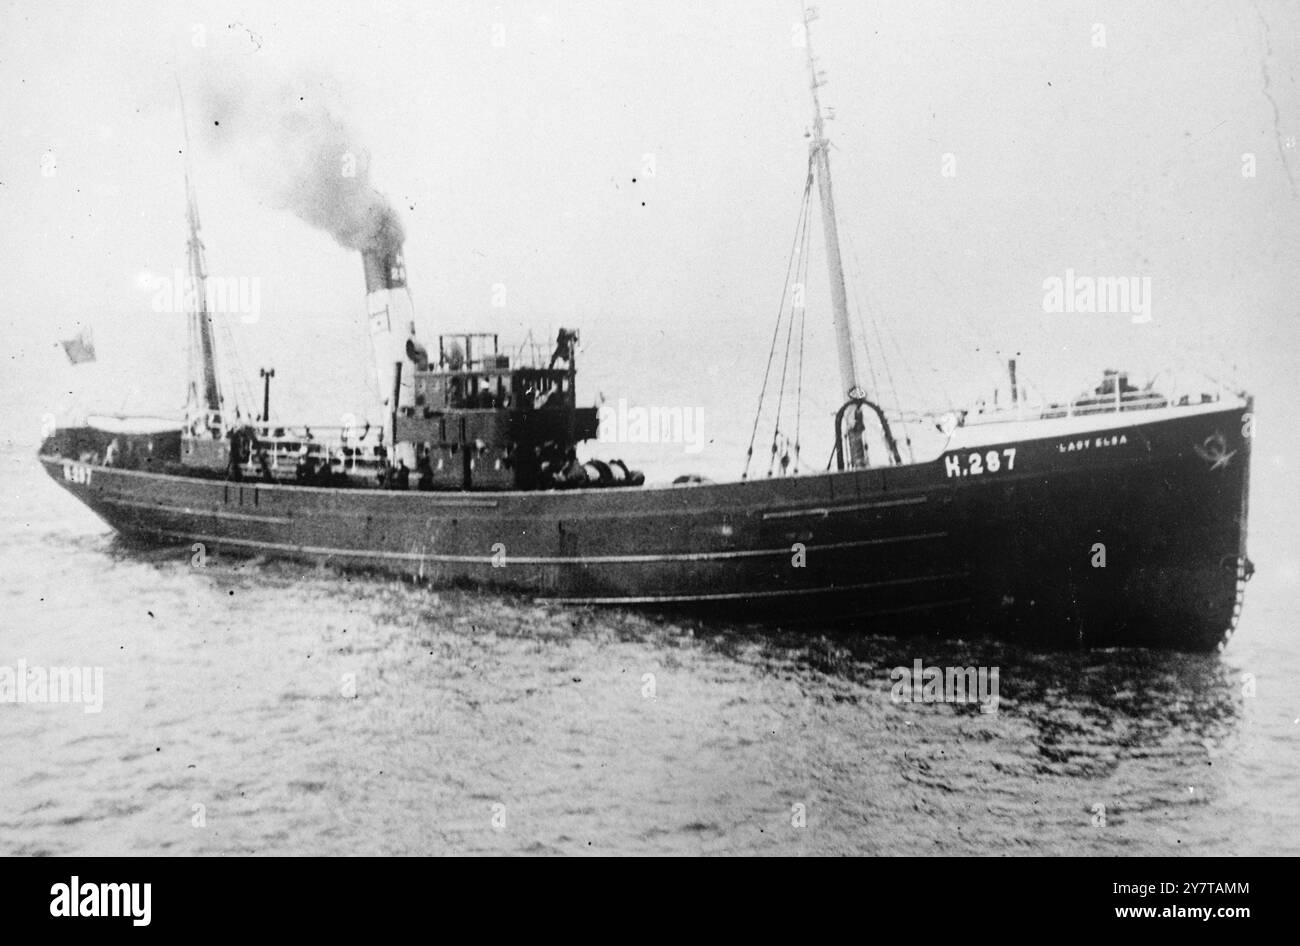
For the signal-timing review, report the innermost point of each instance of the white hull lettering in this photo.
(979, 464)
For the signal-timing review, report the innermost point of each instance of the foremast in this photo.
(819, 156)
(204, 403)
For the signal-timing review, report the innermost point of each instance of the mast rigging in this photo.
(820, 158)
(204, 386)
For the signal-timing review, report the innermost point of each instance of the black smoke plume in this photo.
(292, 140)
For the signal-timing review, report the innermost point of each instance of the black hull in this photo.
(952, 546)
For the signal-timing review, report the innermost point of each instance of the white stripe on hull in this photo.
(530, 559)
(188, 511)
(781, 593)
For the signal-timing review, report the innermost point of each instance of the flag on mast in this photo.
(82, 348)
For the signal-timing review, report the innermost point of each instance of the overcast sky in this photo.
(509, 136)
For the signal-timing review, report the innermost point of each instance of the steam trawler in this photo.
(1117, 519)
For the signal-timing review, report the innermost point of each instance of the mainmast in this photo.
(203, 380)
(819, 155)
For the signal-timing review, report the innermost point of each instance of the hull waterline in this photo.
(1130, 534)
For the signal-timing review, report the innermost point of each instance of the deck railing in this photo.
(1108, 403)
(287, 447)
